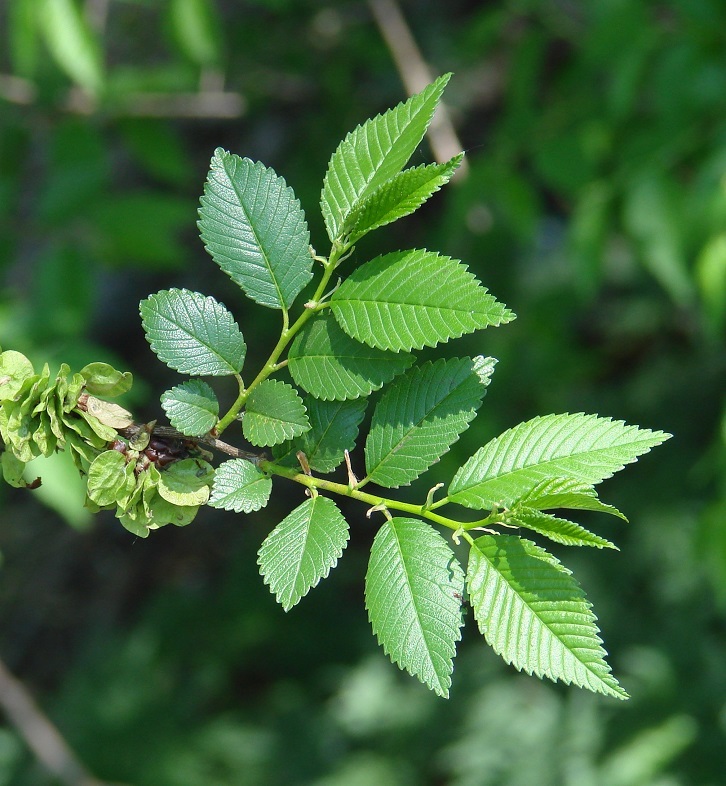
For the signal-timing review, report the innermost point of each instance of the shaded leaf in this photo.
(104, 380)
(330, 364)
(191, 407)
(186, 482)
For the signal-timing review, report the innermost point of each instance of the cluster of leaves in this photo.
(351, 339)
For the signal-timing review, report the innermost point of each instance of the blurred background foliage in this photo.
(594, 206)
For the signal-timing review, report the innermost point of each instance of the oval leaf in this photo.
(240, 486)
(302, 549)
(104, 380)
(534, 614)
(274, 412)
(414, 587)
(255, 230)
(412, 299)
(191, 407)
(193, 334)
(330, 364)
(186, 482)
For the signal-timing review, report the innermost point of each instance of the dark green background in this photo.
(595, 207)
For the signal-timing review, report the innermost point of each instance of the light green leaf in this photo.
(186, 482)
(559, 530)
(196, 28)
(23, 36)
(255, 230)
(329, 364)
(414, 587)
(412, 299)
(12, 469)
(399, 197)
(274, 412)
(72, 43)
(534, 614)
(107, 478)
(103, 380)
(15, 368)
(193, 334)
(191, 407)
(585, 448)
(566, 493)
(302, 549)
(240, 486)
(333, 429)
(373, 153)
(419, 417)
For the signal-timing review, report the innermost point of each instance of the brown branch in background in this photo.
(40, 734)
(416, 75)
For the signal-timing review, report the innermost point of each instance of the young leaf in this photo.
(399, 197)
(240, 486)
(584, 448)
(191, 407)
(412, 299)
(15, 368)
(274, 412)
(534, 614)
(107, 478)
(334, 429)
(193, 334)
(373, 153)
(255, 230)
(329, 364)
(566, 493)
(559, 530)
(103, 380)
(419, 417)
(414, 587)
(186, 482)
(302, 549)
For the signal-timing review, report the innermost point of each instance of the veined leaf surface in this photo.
(374, 152)
(193, 334)
(566, 493)
(240, 486)
(584, 448)
(330, 364)
(534, 614)
(302, 549)
(255, 230)
(412, 299)
(400, 196)
(556, 529)
(191, 407)
(419, 417)
(274, 412)
(414, 587)
(334, 429)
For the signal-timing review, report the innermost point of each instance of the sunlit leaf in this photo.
(274, 412)
(191, 407)
(240, 486)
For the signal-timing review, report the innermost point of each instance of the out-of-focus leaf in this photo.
(197, 30)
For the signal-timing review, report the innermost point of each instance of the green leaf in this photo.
(584, 448)
(412, 299)
(193, 334)
(22, 31)
(330, 364)
(534, 614)
(15, 368)
(419, 417)
(253, 227)
(196, 28)
(414, 587)
(559, 530)
(399, 197)
(373, 153)
(333, 429)
(191, 407)
(72, 43)
(274, 412)
(240, 486)
(186, 482)
(107, 478)
(302, 549)
(566, 493)
(12, 469)
(103, 380)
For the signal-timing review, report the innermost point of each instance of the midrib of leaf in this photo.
(255, 233)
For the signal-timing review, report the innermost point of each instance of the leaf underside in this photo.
(534, 614)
